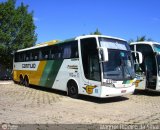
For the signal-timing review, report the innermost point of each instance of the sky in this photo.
(63, 19)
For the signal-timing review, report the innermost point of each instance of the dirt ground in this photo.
(34, 105)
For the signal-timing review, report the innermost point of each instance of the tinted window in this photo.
(132, 47)
(67, 50)
(64, 51)
(44, 53)
(34, 54)
(144, 48)
(148, 58)
(70, 50)
(90, 59)
(60, 51)
(19, 56)
(28, 56)
(55, 52)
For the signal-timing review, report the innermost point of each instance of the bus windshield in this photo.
(158, 63)
(120, 65)
(156, 47)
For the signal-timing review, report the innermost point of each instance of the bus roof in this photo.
(72, 39)
(145, 42)
(104, 36)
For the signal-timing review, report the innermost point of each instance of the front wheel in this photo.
(72, 89)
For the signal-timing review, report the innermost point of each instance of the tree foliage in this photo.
(17, 30)
(140, 39)
(97, 32)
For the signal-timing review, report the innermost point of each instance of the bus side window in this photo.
(35, 55)
(74, 48)
(52, 56)
(20, 57)
(58, 52)
(70, 50)
(15, 57)
(66, 51)
(53, 53)
(27, 56)
(44, 53)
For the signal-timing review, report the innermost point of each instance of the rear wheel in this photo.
(26, 82)
(72, 89)
(21, 80)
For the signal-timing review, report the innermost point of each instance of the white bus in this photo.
(95, 65)
(148, 73)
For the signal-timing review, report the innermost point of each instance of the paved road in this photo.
(19, 104)
(6, 82)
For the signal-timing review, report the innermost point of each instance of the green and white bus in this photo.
(95, 65)
(148, 72)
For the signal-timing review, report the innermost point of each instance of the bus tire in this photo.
(21, 81)
(72, 89)
(26, 81)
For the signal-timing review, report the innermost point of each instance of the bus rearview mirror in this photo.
(103, 52)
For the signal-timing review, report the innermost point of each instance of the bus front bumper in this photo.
(114, 92)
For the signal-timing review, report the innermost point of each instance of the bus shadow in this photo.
(146, 93)
(102, 100)
(82, 97)
(49, 90)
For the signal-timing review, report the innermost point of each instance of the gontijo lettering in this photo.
(29, 65)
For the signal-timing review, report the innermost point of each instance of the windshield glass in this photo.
(120, 64)
(156, 47)
(114, 44)
(158, 63)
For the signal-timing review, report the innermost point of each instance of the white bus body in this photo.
(99, 66)
(148, 72)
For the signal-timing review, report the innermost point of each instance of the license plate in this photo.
(123, 91)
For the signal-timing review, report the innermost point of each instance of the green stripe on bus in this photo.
(127, 81)
(50, 72)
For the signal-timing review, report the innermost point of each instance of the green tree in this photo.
(17, 30)
(97, 32)
(140, 39)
